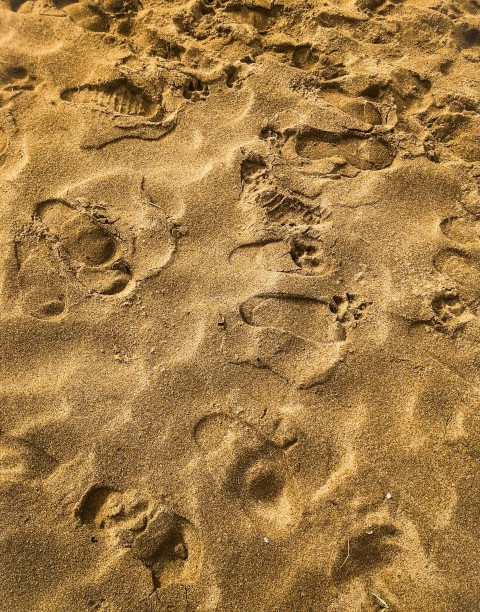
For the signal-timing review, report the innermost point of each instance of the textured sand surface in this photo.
(240, 305)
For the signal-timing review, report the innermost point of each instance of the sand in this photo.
(240, 305)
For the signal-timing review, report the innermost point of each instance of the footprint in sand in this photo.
(113, 514)
(310, 319)
(368, 549)
(117, 97)
(461, 267)
(463, 230)
(40, 284)
(90, 248)
(141, 100)
(21, 460)
(360, 151)
(171, 549)
(301, 339)
(460, 133)
(252, 470)
(297, 254)
(100, 16)
(281, 207)
(460, 261)
(3, 143)
(166, 543)
(70, 250)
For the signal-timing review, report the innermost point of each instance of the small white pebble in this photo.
(388, 496)
(266, 541)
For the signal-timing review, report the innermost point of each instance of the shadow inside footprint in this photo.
(372, 548)
(171, 548)
(121, 515)
(364, 153)
(251, 469)
(166, 543)
(117, 97)
(92, 250)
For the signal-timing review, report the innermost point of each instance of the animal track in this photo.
(251, 469)
(195, 90)
(364, 153)
(447, 305)
(117, 97)
(309, 255)
(451, 314)
(92, 251)
(365, 551)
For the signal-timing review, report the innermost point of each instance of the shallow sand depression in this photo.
(240, 301)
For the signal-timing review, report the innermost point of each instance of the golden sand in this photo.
(240, 305)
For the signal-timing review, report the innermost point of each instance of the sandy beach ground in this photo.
(240, 305)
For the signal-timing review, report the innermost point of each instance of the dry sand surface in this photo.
(240, 305)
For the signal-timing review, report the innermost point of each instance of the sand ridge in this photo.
(239, 364)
